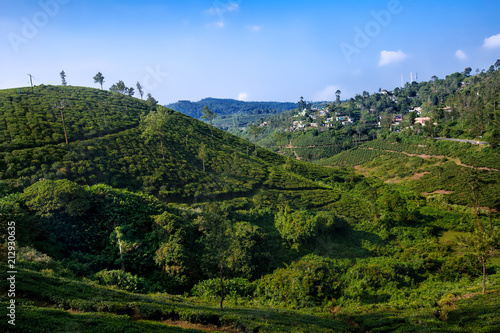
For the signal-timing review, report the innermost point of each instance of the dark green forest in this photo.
(130, 216)
(234, 112)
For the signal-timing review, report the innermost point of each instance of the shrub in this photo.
(31, 254)
(310, 281)
(233, 289)
(455, 268)
(120, 279)
(296, 228)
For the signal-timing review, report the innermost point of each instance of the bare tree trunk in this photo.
(255, 141)
(221, 285)
(484, 276)
(64, 125)
(121, 253)
(161, 142)
(162, 151)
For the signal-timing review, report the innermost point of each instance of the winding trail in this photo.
(293, 151)
(453, 159)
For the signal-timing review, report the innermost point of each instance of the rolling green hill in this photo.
(108, 227)
(105, 146)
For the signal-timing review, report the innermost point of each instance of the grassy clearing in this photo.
(61, 305)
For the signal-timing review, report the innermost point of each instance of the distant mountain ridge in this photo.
(228, 106)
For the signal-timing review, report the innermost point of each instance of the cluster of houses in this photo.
(398, 118)
(322, 119)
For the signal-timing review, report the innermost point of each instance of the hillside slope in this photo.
(348, 252)
(105, 146)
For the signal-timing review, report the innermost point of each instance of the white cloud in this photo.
(243, 96)
(461, 55)
(327, 94)
(255, 28)
(492, 42)
(231, 7)
(391, 57)
(219, 10)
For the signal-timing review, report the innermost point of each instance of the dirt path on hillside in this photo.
(293, 151)
(425, 156)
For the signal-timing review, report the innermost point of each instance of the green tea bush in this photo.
(120, 279)
(456, 268)
(234, 289)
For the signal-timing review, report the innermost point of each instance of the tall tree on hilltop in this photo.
(153, 125)
(63, 78)
(99, 78)
(210, 116)
(130, 91)
(139, 89)
(119, 87)
(497, 64)
(337, 96)
(301, 104)
(467, 71)
(151, 101)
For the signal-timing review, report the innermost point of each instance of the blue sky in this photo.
(245, 49)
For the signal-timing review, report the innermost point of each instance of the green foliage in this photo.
(120, 279)
(482, 244)
(243, 255)
(214, 225)
(105, 146)
(234, 289)
(99, 78)
(296, 228)
(310, 281)
(47, 197)
(154, 125)
(11, 211)
(228, 213)
(229, 106)
(373, 280)
(456, 268)
(354, 157)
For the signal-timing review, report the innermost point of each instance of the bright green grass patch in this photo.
(450, 236)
